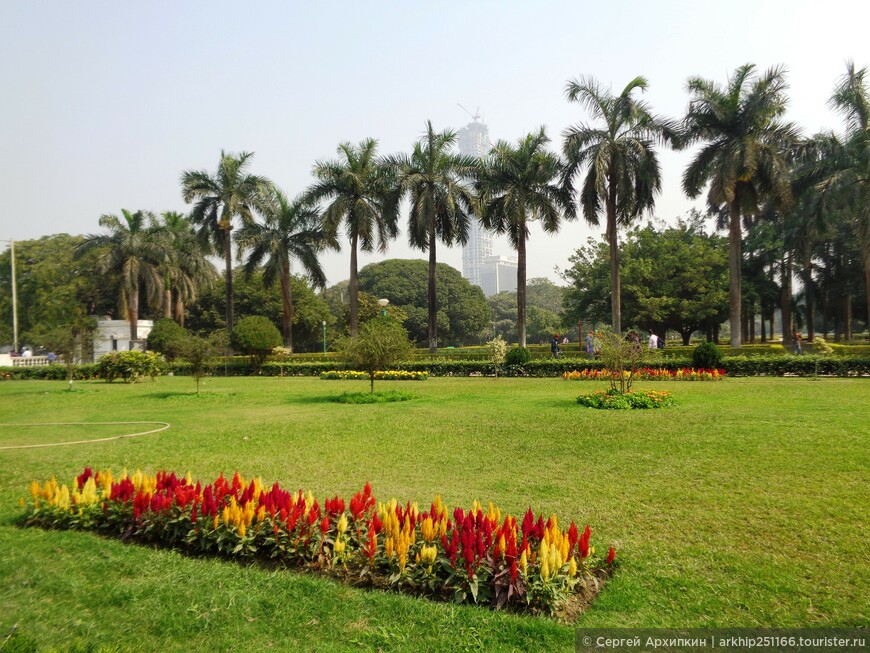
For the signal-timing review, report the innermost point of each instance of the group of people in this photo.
(592, 343)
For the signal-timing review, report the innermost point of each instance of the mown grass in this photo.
(743, 505)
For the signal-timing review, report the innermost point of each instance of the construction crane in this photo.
(474, 116)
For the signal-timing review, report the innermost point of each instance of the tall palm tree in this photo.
(135, 254)
(517, 184)
(622, 173)
(186, 269)
(847, 186)
(231, 192)
(291, 230)
(744, 157)
(434, 178)
(359, 190)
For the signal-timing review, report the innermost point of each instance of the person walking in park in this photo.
(653, 340)
(554, 346)
(797, 343)
(590, 345)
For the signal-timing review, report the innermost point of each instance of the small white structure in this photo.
(498, 274)
(114, 335)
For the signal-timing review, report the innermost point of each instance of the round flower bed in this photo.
(615, 400)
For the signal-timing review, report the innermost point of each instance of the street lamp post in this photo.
(383, 304)
(324, 338)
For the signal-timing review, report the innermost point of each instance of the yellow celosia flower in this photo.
(342, 524)
(545, 569)
(242, 529)
(524, 562)
(261, 514)
(572, 567)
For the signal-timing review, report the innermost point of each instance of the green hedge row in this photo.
(769, 365)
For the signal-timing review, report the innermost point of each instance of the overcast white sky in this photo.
(104, 104)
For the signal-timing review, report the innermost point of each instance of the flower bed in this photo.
(387, 375)
(648, 374)
(614, 400)
(475, 556)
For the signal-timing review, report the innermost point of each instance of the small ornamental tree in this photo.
(497, 352)
(622, 358)
(69, 342)
(256, 336)
(381, 344)
(165, 337)
(200, 353)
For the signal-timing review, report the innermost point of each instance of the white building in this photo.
(473, 140)
(498, 274)
(114, 335)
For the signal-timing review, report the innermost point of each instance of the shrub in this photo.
(256, 337)
(165, 337)
(518, 356)
(707, 355)
(131, 366)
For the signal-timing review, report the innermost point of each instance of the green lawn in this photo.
(746, 504)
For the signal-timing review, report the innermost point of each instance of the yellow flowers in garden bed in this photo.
(387, 375)
(648, 374)
(475, 556)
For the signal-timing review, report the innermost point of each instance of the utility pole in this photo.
(14, 300)
(14, 297)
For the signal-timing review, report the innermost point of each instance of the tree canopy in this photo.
(463, 312)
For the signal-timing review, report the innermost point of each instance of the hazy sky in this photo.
(104, 104)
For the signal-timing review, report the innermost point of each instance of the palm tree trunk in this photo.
(353, 287)
(179, 311)
(167, 302)
(228, 258)
(867, 282)
(847, 331)
(133, 312)
(785, 302)
(810, 299)
(433, 299)
(521, 283)
(287, 307)
(613, 242)
(734, 265)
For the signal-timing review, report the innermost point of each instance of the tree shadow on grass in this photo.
(191, 395)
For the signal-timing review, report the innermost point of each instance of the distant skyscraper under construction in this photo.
(473, 140)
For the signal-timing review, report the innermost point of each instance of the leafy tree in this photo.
(165, 337)
(743, 158)
(441, 203)
(518, 184)
(361, 196)
(291, 230)
(463, 312)
(382, 343)
(544, 294)
(252, 297)
(55, 287)
(134, 255)
(72, 342)
(673, 278)
(230, 193)
(622, 174)
(256, 336)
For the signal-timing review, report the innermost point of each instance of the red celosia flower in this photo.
(584, 542)
(82, 478)
(324, 525)
(611, 556)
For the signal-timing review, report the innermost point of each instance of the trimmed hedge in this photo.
(770, 365)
